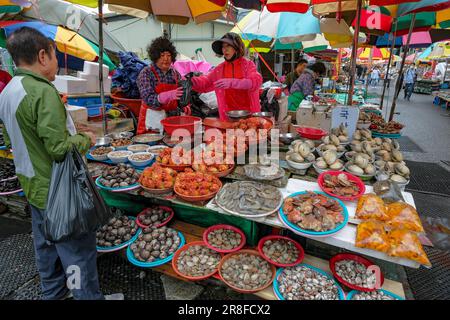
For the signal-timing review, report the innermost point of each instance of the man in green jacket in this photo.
(37, 123)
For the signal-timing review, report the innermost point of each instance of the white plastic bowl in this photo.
(138, 148)
(298, 165)
(115, 158)
(140, 163)
(101, 157)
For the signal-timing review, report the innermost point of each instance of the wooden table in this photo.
(194, 233)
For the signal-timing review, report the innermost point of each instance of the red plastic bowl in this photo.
(359, 182)
(133, 104)
(189, 123)
(143, 226)
(301, 253)
(354, 257)
(177, 255)
(252, 252)
(228, 227)
(311, 133)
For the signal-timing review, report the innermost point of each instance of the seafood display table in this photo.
(344, 239)
(194, 233)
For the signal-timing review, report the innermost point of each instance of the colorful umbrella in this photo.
(378, 54)
(439, 50)
(169, 11)
(423, 6)
(67, 41)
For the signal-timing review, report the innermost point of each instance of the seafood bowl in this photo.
(298, 165)
(116, 189)
(256, 268)
(319, 228)
(320, 152)
(158, 262)
(155, 217)
(355, 268)
(380, 294)
(262, 172)
(103, 142)
(137, 148)
(304, 276)
(119, 156)
(185, 183)
(264, 250)
(208, 258)
(249, 199)
(320, 171)
(364, 177)
(156, 149)
(148, 138)
(121, 144)
(347, 180)
(227, 231)
(100, 153)
(124, 244)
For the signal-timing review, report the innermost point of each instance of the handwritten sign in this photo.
(348, 116)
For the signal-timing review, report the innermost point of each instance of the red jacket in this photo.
(5, 78)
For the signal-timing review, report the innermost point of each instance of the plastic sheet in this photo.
(406, 244)
(403, 215)
(370, 206)
(372, 235)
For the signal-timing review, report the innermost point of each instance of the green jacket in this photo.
(35, 118)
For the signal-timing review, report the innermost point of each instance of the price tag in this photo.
(348, 116)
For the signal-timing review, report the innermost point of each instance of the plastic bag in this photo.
(403, 215)
(210, 99)
(372, 235)
(406, 244)
(75, 208)
(370, 206)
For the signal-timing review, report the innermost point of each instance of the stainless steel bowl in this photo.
(103, 141)
(238, 114)
(287, 138)
(263, 114)
(120, 135)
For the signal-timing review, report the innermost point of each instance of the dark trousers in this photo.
(409, 87)
(71, 263)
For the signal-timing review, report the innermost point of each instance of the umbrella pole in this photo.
(100, 62)
(354, 52)
(394, 35)
(370, 65)
(399, 84)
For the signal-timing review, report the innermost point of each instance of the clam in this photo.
(395, 145)
(380, 163)
(340, 148)
(367, 147)
(357, 147)
(330, 156)
(321, 164)
(397, 156)
(389, 166)
(296, 158)
(385, 155)
(326, 140)
(397, 178)
(344, 130)
(310, 157)
(337, 165)
(360, 161)
(343, 179)
(402, 169)
(388, 140)
(378, 141)
(304, 150)
(355, 169)
(366, 134)
(357, 135)
(310, 143)
(343, 139)
(329, 147)
(370, 170)
(335, 140)
(387, 146)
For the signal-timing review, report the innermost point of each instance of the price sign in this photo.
(348, 116)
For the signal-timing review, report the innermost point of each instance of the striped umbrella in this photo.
(169, 11)
(67, 41)
(10, 6)
(378, 54)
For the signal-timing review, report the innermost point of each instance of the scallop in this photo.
(330, 156)
(398, 178)
(355, 169)
(370, 170)
(337, 165)
(321, 164)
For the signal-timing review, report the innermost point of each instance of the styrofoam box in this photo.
(107, 83)
(93, 84)
(79, 114)
(70, 85)
(93, 69)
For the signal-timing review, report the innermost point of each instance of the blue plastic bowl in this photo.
(123, 245)
(329, 276)
(315, 233)
(353, 292)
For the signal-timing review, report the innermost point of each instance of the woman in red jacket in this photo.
(235, 81)
(5, 78)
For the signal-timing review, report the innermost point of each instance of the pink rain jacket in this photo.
(241, 68)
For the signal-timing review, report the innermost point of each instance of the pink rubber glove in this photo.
(229, 83)
(168, 96)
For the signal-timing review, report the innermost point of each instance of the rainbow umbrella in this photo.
(378, 54)
(11, 6)
(67, 41)
(439, 50)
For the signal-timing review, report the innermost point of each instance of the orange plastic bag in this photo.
(371, 235)
(370, 206)
(406, 244)
(403, 215)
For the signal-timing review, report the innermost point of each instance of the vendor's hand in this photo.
(243, 84)
(166, 97)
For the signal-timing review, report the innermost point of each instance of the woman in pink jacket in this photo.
(236, 80)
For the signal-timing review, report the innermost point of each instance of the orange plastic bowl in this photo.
(311, 133)
(177, 255)
(189, 123)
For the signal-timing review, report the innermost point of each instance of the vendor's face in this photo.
(165, 61)
(300, 68)
(228, 51)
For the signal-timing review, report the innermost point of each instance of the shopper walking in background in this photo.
(36, 128)
(374, 76)
(410, 79)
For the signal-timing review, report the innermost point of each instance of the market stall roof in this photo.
(67, 41)
(439, 50)
(169, 11)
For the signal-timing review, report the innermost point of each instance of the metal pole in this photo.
(354, 52)
(386, 81)
(292, 58)
(100, 62)
(399, 85)
(370, 65)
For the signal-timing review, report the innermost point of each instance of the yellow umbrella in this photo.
(169, 11)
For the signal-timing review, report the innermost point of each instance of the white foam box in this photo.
(107, 83)
(70, 85)
(79, 114)
(93, 69)
(93, 84)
